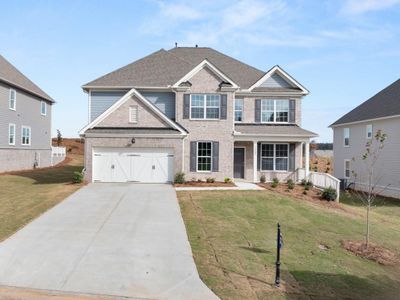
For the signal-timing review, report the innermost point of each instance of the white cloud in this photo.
(355, 7)
(180, 11)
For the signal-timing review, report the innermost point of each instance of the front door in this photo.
(238, 163)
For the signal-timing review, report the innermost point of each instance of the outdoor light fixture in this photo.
(133, 140)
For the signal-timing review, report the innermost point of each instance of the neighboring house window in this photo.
(26, 135)
(204, 156)
(346, 137)
(43, 108)
(12, 100)
(274, 157)
(11, 134)
(204, 106)
(238, 110)
(133, 114)
(347, 168)
(276, 111)
(369, 131)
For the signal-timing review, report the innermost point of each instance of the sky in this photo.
(342, 51)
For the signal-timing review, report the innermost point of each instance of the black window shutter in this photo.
(215, 157)
(186, 106)
(193, 156)
(223, 106)
(258, 156)
(257, 111)
(292, 157)
(292, 111)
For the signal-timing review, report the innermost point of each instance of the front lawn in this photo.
(27, 194)
(232, 234)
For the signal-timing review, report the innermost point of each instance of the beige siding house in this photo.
(355, 129)
(197, 111)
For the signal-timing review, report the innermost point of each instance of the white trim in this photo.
(274, 157)
(205, 108)
(200, 66)
(89, 105)
(45, 108)
(282, 73)
(274, 112)
(197, 157)
(344, 137)
(116, 88)
(344, 169)
(15, 99)
(369, 126)
(123, 99)
(22, 135)
(15, 134)
(364, 121)
(244, 161)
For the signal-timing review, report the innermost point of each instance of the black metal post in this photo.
(278, 257)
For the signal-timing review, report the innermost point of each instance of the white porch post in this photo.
(307, 162)
(255, 145)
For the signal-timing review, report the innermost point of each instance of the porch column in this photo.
(255, 145)
(307, 162)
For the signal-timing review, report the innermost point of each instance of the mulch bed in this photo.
(374, 252)
(204, 184)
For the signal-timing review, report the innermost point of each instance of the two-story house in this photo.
(197, 111)
(352, 132)
(25, 121)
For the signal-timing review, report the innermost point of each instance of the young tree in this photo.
(370, 188)
(59, 138)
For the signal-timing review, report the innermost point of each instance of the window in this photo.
(238, 110)
(276, 111)
(369, 131)
(11, 134)
(274, 157)
(204, 106)
(133, 114)
(346, 168)
(26, 135)
(12, 99)
(346, 137)
(43, 108)
(204, 156)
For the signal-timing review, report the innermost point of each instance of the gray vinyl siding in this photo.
(388, 166)
(101, 100)
(275, 81)
(27, 113)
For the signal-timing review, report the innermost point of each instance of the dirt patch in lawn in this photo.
(374, 252)
(204, 184)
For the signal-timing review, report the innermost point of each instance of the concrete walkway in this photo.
(123, 240)
(240, 186)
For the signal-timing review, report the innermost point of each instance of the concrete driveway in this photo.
(125, 240)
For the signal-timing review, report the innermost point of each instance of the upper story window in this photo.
(238, 110)
(346, 137)
(274, 111)
(274, 157)
(26, 135)
(133, 114)
(43, 108)
(11, 134)
(205, 106)
(12, 99)
(369, 131)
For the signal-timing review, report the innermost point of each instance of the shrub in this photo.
(304, 192)
(210, 180)
(179, 178)
(329, 194)
(199, 180)
(290, 184)
(262, 179)
(306, 187)
(227, 180)
(303, 182)
(310, 183)
(77, 177)
(275, 182)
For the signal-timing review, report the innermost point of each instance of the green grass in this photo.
(232, 234)
(27, 194)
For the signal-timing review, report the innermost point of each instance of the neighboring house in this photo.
(25, 121)
(352, 131)
(197, 111)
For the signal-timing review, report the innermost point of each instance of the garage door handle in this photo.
(154, 167)
(112, 167)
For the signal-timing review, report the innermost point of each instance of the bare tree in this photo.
(369, 189)
(59, 138)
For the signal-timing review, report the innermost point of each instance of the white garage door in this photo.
(148, 165)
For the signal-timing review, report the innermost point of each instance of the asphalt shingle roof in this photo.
(164, 68)
(386, 103)
(11, 75)
(269, 129)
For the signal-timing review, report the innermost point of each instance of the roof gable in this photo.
(12, 76)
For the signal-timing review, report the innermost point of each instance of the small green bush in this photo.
(199, 180)
(306, 187)
(227, 180)
(310, 183)
(304, 192)
(329, 194)
(303, 182)
(262, 179)
(179, 178)
(275, 182)
(210, 180)
(290, 184)
(77, 177)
